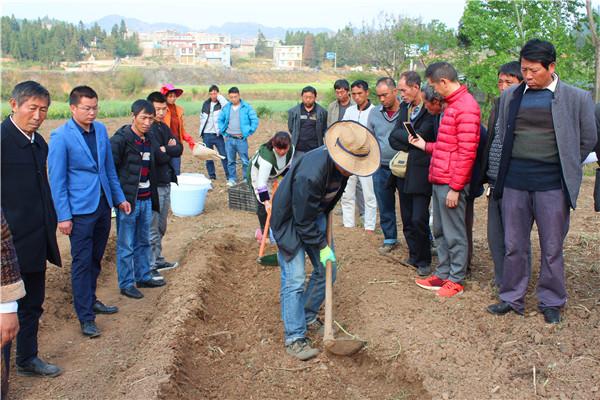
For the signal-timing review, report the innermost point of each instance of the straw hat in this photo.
(166, 88)
(353, 147)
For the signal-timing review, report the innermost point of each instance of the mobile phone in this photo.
(410, 129)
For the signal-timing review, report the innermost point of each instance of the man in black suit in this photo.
(27, 205)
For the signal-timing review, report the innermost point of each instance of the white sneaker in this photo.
(230, 183)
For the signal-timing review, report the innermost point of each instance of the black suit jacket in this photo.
(26, 199)
(416, 180)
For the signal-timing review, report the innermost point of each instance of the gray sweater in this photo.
(382, 125)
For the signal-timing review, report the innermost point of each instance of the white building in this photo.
(287, 57)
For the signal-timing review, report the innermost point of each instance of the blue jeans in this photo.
(133, 244)
(300, 303)
(233, 147)
(386, 202)
(213, 140)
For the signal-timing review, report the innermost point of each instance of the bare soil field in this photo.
(214, 331)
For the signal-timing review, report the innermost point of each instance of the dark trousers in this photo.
(414, 211)
(212, 140)
(469, 219)
(30, 311)
(5, 370)
(88, 241)
(550, 211)
(495, 237)
(385, 192)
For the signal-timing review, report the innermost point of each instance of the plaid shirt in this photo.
(12, 287)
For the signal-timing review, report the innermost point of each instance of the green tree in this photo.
(492, 33)
(261, 49)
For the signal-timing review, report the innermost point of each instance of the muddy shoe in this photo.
(387, 248)
(316, 327)
(301, 349)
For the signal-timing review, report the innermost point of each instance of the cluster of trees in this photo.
(491, 33)
(389, 43)
(51, 41)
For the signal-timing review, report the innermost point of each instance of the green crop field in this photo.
(121, 108)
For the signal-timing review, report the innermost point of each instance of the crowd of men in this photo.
(539, 132)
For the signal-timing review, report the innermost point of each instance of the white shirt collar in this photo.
(551, 87)
(30, 138)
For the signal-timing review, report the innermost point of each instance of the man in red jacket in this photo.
(452, 159)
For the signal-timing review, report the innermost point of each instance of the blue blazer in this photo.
(75, 179)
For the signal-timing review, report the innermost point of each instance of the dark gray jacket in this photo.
(294, 123)
(576, 136)
(297, 203)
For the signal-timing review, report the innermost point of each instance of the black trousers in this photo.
(414, 211)
(30, 311)
(5, 370)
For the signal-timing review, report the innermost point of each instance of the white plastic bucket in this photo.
(189, 195)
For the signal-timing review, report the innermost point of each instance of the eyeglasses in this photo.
(89, 109)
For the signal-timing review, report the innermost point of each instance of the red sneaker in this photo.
(450, 289)
(431, 283)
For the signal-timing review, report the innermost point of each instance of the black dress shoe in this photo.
(500, 308)
(132, 292)
(551, 315)
(89, 328)
(38, 367)
(100, 308)
(150, 283)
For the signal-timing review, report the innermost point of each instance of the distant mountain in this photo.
(242, 30)
(136, 25)
(250, 30)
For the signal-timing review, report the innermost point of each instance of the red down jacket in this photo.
(453, 153)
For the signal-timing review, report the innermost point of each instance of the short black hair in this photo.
(234, 89)
(213, 87)
(387, 81)
(431, 95)
(537, 50)
(360, 84)
(142, 105)
(81, 91)
(341, 84)
(27, 89)
(308, 89)
(411, 78)
(156, 97)
(512, 68)
(441, 70)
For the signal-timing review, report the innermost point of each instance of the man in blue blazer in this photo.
(84, 188)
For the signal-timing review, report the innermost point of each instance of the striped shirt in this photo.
(143, 145)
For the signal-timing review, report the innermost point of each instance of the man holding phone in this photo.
(414, 187)
(452, 158)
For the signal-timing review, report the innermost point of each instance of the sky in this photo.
(198, 14)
